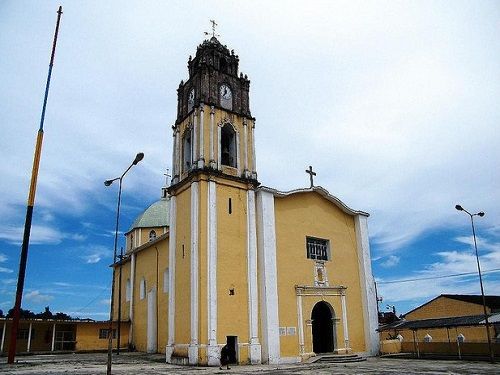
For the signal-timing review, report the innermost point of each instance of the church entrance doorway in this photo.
(232, 344)
(322, 328)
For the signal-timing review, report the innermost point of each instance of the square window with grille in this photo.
(103, 333)
(317, 248)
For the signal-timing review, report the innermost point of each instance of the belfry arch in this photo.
(323, 328)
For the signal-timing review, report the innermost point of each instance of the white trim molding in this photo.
(211, 162)
(201, 160)
(213, 353)
(152, 321)
(253, 306)
(266, 248)
(171, 282)
(195, 202)
(132, 302)
(368, 296)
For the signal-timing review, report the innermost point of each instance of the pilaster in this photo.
(201, 160)
(171, 280)
(193, 346)
(212, 348)
(212, 129)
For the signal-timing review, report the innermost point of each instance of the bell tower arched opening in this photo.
(228, 146)
(323, 329)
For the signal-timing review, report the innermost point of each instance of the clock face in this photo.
(225, 92)
(191, 96)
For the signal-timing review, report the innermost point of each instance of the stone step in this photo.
(339, 358)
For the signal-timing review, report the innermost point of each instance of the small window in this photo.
(152, 235)
(103, 333)
(127, 290)
(187, 150)
(228, 146)
(165, 280)
(143, 288)
(427, 338)
(317, 248)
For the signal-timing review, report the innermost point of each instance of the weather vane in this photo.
(214, 35)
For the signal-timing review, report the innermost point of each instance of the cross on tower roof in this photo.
(214, 35)
(311, 174)
(167, 175)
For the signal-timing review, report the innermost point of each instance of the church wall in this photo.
(183, 271)
(232, 310)
(125, 304)
(309, 214)
(146, 267)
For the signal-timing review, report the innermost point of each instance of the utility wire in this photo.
(435, 277)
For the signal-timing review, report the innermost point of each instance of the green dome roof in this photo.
(156, 215)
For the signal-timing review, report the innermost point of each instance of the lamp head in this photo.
(138, 158)
(480, 214)
(459, 208)
(108, 182)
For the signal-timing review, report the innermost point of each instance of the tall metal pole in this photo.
(492, 355)
(480, 214)
(137, 159)
(29, 209)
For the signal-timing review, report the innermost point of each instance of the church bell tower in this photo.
(213, 245)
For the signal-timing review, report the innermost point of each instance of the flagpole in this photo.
(29, 209)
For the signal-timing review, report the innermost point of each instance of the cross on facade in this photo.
(214, 35)
(311, 174)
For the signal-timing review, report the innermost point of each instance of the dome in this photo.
(156, 215)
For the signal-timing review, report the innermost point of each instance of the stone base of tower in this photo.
(213, 354)
(255, 354)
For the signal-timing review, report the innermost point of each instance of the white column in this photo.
(177, 153)
(212, 129)
(254, 160)
(245, 147)
(3, 336)
(219, 164)
(29, 338)
(238, 153)
(368, 296)
(132, 302)
(344, 320)
(193, 346)
(174, 156)
(195, 138)
(300, 324)
(53, 337)
(201, 161)
(266, 247)
(212, 349)
(152, 321)
(253, 305)
(171, 280)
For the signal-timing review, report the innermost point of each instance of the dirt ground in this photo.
(144, 364)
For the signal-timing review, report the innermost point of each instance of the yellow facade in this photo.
(236, 253)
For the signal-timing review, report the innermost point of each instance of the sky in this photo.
(394, 104)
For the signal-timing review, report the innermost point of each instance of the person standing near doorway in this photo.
(224, 357)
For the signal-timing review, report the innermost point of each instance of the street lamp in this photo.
(137, 159)
(480, 214)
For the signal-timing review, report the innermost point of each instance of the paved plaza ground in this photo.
(144, 364)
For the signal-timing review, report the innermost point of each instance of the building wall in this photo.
(150, 264)
(87, 336)
(182, 272)
(309, 214)
(445, 307)
(232, 264)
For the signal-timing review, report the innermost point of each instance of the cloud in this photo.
(106, 301)
(6, 270)
(36, 297)
(96, 253)
(391, 261)
(39, 235)
(3, 258)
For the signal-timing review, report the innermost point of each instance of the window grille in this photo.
(317, 248)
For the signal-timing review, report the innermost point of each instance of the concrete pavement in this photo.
(144, 364)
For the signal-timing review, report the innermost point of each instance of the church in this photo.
(278, 276)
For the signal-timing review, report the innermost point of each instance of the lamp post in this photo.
(137, 159)
(480, 214)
